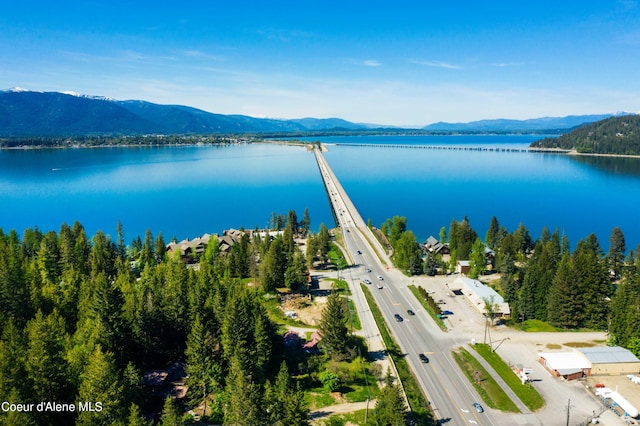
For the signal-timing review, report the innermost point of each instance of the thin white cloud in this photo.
(436, 64)
(371, 63)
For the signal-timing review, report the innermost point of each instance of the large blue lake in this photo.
(187, 191)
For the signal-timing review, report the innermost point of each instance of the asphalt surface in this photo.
(446, 388)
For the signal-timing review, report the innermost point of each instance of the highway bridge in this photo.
(450, 394)
(462, 148)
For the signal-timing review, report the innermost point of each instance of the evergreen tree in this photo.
(135, 416)
(101, 383)
(146, 254)
(159, 248)
(624, 310)
(297, 274)
(203, 370)
(323, 242)
(283, 405)
(523, 241)
(333, 327)
(273, 266)
(14, 296)
(443, 235)
(243, 397)
(565, 299)
(12, 362)
(45, 364)
(510, 288)
(491, 238)
(616, 253)
(595, 285)
(390, 409)
(292, 221)
(171, 415)
(49, 258)
(305, 223)
(477, 259)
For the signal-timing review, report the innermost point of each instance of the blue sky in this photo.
(397, 63)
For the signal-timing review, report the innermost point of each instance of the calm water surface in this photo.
(186, 191)
(179, 191)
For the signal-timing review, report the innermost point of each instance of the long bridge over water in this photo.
(458, 148)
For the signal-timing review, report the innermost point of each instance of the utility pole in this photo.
(568, 410)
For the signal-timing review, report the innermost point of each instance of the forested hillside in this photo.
(616, 135)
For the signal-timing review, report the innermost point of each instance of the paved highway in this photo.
(449, 392)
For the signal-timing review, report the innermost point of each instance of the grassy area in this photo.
(357, 378)
(490, 392)
(355, 418)
(339, 286)
(417, 401)
(534, 326)
(428, 308)
(354, 319)
(336, 257)
(527, 393)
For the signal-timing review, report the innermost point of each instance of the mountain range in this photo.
(26, 113)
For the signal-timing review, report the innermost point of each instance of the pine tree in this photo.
(274, 265)
(243, 398)
(565, 300)
(203, 370)
(491, 238)
(171, 415)
(390, 409)
(305, 223)
(333, 329)
(594, 282)
(616, 253)
(45, 364)
(101, 383)
(135, 417)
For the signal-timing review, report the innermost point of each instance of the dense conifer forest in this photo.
(90, 320)
(616, 135)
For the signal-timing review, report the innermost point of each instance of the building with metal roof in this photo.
(611, 360)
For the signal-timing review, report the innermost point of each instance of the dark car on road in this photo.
(410, 312)
(423, 358)
(398, 317)
(447, 313)
(478, 407)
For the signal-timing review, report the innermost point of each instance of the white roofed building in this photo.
(478, 292)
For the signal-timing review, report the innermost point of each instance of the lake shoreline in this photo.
(294, 142)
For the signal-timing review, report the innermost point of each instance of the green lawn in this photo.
(490, 392)
(527, 393)
(534, 326)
